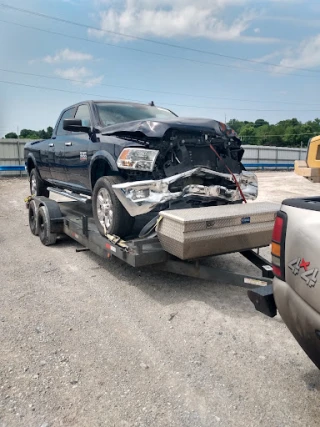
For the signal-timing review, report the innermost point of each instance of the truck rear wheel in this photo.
(37, 186)
(47, 238)
(109, 214)
(33, 218)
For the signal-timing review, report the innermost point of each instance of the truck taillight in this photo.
(278, 245)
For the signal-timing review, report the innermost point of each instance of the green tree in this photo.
(260, 122)
(11, 135)
(274, 137)
(49, 132)
(236, 125)
(292, 137)
(25, 133)
(261, 133)
(247, 134)
(307, 132)
(33, 134)
(42, 134)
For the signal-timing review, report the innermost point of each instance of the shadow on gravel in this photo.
(167, 288)
(312, 380)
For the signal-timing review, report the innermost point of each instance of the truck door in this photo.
(76, 158)
(57, 147)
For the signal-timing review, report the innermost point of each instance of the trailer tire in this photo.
(46, 237)
(33, 218)
(37, 185)
(109, 214)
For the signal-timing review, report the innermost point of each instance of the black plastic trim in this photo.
(308, 203)
(263, 300)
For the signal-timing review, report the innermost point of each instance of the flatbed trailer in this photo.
(50, 219)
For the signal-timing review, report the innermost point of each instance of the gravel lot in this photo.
(92, 342)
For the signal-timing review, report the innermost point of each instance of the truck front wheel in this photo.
(109, 214)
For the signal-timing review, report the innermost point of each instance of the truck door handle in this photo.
(51, 144)
(68, 144)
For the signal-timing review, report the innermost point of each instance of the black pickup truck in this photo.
(136, 158)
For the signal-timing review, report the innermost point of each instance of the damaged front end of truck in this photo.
(144, 196)
(194, 161)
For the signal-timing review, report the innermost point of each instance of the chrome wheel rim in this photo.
(33, 185)
(104, 208)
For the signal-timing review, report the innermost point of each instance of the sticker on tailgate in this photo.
(307, 273)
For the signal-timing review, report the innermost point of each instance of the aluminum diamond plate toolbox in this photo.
(200, 232)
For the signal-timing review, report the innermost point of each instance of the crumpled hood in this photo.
(157, 128)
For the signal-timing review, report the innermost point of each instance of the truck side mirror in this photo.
(75, 125)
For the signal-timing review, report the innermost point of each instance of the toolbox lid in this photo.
(214, 213)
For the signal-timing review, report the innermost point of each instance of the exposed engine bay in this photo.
(198, 162)
(181, 151)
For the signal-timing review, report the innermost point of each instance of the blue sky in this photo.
(100, 64)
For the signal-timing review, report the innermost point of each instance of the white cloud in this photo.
(176, 18)
(73, 73)
(81, 76)
(67, 55)
(306, 55)
(269, 57)
(257, 30)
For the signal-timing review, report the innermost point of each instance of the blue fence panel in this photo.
(10, 168)
(269, 165)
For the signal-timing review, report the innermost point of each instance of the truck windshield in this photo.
(111, 114)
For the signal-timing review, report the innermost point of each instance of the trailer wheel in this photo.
(33, 218)
(109, 214)
(37, 186)
(47, 238)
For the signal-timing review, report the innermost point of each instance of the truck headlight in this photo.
(137, 159)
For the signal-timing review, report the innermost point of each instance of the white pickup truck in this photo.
(295, 292)
(296, 260)
(296, 266)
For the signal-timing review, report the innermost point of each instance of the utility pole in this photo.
(300, 152)
(18, 130)
(225, 118)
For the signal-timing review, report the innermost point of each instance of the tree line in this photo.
(31, 134)
(286, 133)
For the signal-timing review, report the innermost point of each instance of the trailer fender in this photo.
(54, 212)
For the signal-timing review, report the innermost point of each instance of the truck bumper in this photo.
(141, 197)
(301, 319)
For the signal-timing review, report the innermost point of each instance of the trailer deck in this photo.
(74, 219)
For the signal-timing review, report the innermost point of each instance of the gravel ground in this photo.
(92, 342)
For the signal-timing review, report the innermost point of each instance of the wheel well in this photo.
(30, 165)
(99, 169)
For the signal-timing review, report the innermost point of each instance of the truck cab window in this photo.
(68, 114)
(83, 113)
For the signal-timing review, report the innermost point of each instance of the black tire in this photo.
(37, 186)
(33, 218)
(47, 238)
(120, 223)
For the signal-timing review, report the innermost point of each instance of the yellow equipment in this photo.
(310, 168)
